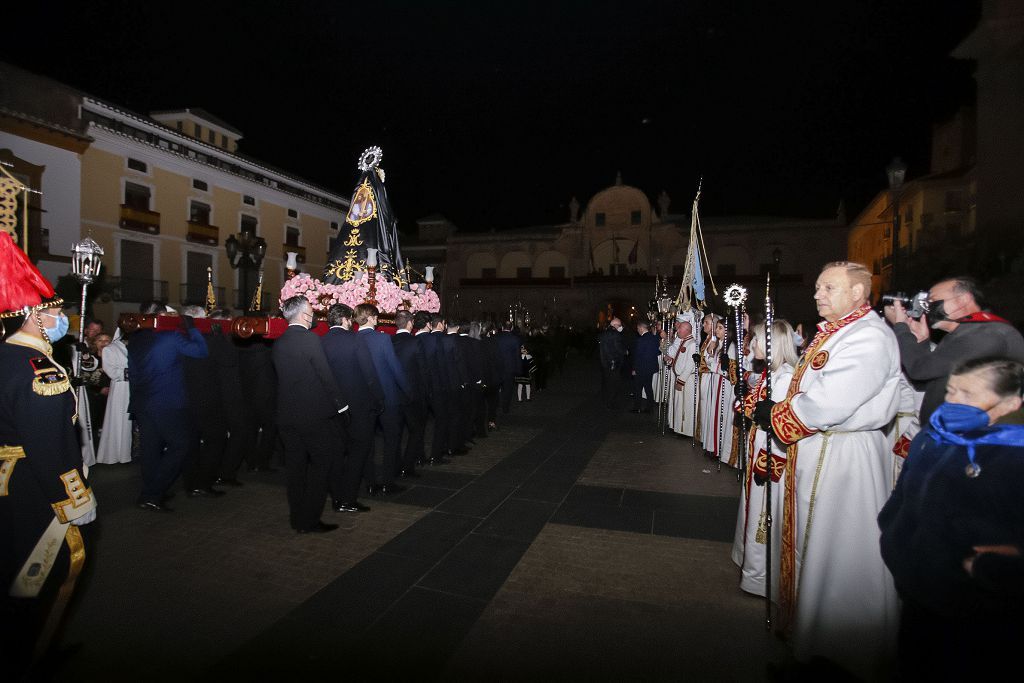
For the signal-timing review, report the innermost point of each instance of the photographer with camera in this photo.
(954, 306)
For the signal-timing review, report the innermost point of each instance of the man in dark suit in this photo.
(396, 390)
(459, 371)
(508, 343)
(354, 372)
(206, 413)
(473, 397)
(613, 355)
(414, 413)
(159, 403)
(645, 365)
(309, 403)
(441, 387)
(259, 386)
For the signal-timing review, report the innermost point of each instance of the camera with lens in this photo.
(916, 305)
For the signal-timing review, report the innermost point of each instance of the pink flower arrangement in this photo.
(390, 297)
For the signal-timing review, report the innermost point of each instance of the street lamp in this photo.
(245, 252)
(896, 172)
(86, 263)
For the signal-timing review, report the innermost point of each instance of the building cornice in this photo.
(185, 144)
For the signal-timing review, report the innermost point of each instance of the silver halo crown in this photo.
(370, 158)
(735, 295)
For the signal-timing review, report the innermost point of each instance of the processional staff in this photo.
(769, 321)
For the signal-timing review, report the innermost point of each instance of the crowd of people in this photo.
(878, 506)
(863, 459)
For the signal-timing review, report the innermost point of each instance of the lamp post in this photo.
(245, 252)
(85, 265)
(896, 172)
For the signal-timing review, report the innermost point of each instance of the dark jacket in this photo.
(455, 360)
(473, 352)
(645, 354)
(414, 361)
(155, 373)
(935, 517)
(439, 383)
(508, 344)
(613, 349)
(968, 341)
(390, 373)
(353, 369)
(306, 390)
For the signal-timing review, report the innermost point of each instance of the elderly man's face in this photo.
(683, 330)
(835, 296)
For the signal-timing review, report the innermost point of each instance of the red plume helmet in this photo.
(22, 286)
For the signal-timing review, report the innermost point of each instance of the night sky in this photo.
(496, 113)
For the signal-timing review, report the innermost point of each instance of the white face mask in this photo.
(798, 340)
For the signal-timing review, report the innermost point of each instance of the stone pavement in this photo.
(574, 543)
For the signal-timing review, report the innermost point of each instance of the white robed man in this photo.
(116, 439)
(683, 406)
(844, 393)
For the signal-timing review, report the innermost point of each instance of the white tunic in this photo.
(659, 378)
(747, 552)
(845, 392)
(116, 439)
(905, 425)
(684, 388)
(716, 406)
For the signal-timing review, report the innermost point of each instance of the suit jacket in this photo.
(437, 369)
(353, 368)
(306, 390)
(508, 344)
(613, 349)
(645, 354)
(414, 362)
(492, 362)
(473, 352)
(389, 371)
(155, 372)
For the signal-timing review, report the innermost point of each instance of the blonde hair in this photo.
(783, 348)
(858, 274)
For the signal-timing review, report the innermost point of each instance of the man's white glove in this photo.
(88, 517)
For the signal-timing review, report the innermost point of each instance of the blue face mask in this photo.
(958, 418)
(59, 329)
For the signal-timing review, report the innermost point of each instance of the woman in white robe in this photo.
(716, 403)
(116, 439)
(749, 544)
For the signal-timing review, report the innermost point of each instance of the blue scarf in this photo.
(963, 425)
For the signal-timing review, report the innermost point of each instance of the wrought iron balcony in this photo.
(202, 233)
(140, 220)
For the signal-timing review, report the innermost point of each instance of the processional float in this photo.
(365, 267)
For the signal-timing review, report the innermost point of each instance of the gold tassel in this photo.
(761, 536)
(762, 529)
(211, 298)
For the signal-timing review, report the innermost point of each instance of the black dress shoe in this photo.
(409, 474)
(153, 507)
(438, 461)
(221, 481)
(351, 507)
(263, 468)
(374, 489)
(459, 451)
(319, 528)
(391, 489)
(208, 492)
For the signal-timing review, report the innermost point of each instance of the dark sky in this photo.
(496, 113)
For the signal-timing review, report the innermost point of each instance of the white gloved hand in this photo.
(88, 517)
